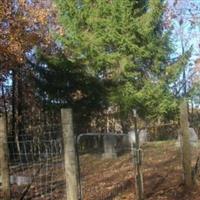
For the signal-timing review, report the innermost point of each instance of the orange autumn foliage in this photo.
(22, 26)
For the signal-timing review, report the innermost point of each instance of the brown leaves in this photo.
(22, 29)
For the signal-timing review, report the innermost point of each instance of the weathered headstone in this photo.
(193, 138)
(19, 180)
(109, 146)
(126, 145)
(143, 136)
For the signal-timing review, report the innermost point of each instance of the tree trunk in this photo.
(14, 113)
(5, 107)
(186, 151)
(13, 101)
(20, 104)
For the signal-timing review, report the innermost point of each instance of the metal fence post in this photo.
(138, 160)
(4, 167)
(70, 158)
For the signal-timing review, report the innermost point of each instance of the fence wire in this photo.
(36, 165)
(36, 162)
(105, 175)
(162, 168)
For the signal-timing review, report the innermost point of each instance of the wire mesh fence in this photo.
(161, 163)
(163, 170)
(36, 165)
(37, 171)
(106, 167)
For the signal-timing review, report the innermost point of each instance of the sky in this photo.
(184, 15)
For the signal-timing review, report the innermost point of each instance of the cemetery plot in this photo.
(114, 178)
(103, 179)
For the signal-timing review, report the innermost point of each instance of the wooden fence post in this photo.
(71, 173)
(186, 146)
(4, 161)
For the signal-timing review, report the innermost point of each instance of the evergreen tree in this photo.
(63, 83)
(123, 41)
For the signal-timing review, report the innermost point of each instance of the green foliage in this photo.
(123, 41)
(155, 101)
(174, 70)
(64, 83)
(124, 98)
(104, 34)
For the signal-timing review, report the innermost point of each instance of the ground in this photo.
(113, 179)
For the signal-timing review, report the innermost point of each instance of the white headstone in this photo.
(193, 138)
(143, 136)
(23, 180)
(19, 180)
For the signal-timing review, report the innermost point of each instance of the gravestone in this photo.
(109, 146)
(19, 180)
(193, 138)
(143, 137)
